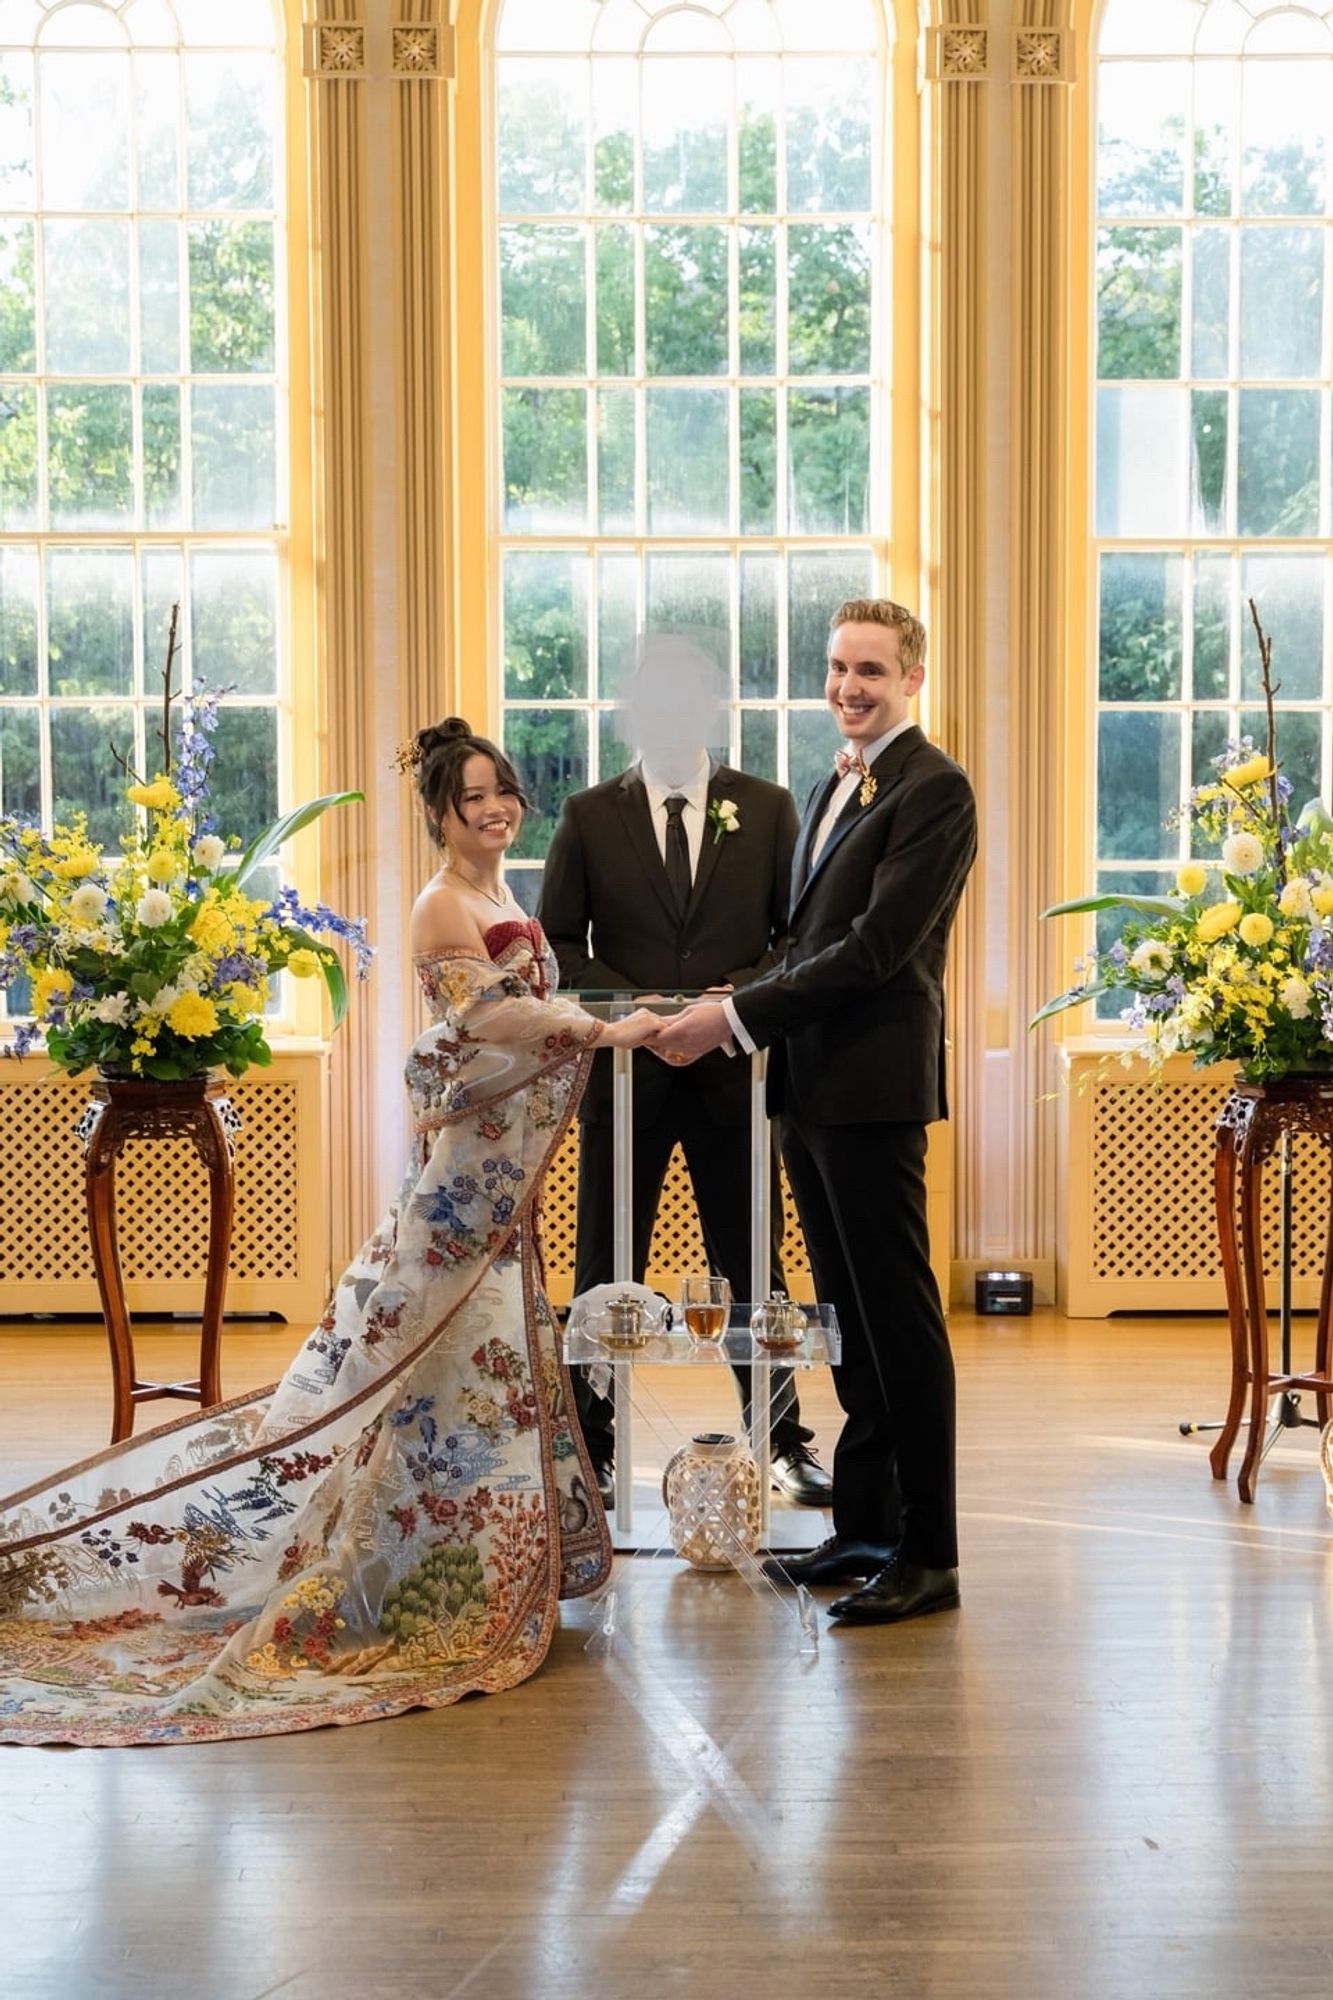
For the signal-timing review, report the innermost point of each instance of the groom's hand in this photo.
(692, 1033)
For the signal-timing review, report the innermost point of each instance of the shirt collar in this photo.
(694, 788)
(881, 743)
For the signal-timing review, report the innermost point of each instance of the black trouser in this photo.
(718, 1157)
(861, 1196)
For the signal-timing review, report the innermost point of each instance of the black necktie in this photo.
(677, 853)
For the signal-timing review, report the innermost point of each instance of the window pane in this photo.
(18, 458)
(759, 628)
(162, 579)
(828, 299)
(1213, 577)
(690, 595)
(1289, 592)
(1210, 510)
(759, 450)
(85, 102)
(18, 316)
(758, 302)
(545, 459)
(1139, 628)
(243, 783)
(89, 456)
(685, 300)
(1278, 491)
(162, 455)
(1138, 784)
(16, 137)
(1110, 923)
(1138, 302)
(1281, 301)
(686, 115)
(1210, 341)
(543, 136)
(1284, 137)
(617, 622)
(687, 461)
(828, 461)
(160, 297)
(1141, 137)
(615, 461)
(234, 619)
(87, 272)
(615, 301)
(1212, 730)
(229, 131)
(84, 774)
(234, 456)
(543, 300)
(1141, 476)
(817, 583)
(545, 627)
(811, 743)
(828, 135)
(231, 298)
(758, 89)
(157, 127)
(1299, 734)
(20, 764)
(759, 742)
(614, 89)
(18, 621)
(1214, 135)
(90, 621)
(549, 748)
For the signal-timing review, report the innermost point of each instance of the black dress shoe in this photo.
(901, 1590)
(837, 1560)
(798, 1473)
(605, 1476)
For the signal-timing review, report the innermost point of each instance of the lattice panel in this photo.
(677, 1243)
(161, 1192)
(1152, 1194)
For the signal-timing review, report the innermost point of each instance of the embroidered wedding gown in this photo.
(392, 1525)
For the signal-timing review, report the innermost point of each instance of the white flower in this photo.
(113, 1008)
(1295, 900)
(1296, 997)
(153, 908)
(1151, 958)
(1242, 853)
(88, 903)
(208, 852)
(16, 890)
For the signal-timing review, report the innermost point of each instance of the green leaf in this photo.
(1156, 906)
(329, 964)
(272, 838)
(1063, 1001)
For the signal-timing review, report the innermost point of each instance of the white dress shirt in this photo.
(694, 791)
(841, 793)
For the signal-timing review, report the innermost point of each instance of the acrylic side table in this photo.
(196, 1108)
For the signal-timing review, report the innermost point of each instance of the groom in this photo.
(855, 1016)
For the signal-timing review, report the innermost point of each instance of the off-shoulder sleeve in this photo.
(494, 1037)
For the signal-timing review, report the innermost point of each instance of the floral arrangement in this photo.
(724, 816)
(154, 961)
(1238, 964)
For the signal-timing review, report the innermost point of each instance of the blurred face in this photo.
(489, 814)
(867, 687)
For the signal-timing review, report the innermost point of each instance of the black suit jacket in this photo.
(856, 1011)
(608, 911)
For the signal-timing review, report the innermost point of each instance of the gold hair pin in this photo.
(407, 756)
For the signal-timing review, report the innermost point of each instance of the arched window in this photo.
(692, 358)
(142, 403)
(1214, 372)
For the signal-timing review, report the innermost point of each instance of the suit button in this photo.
(685, 954)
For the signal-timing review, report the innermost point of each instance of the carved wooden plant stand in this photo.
(1256, 1120)
(139, 1108)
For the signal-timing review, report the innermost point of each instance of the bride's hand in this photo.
(633, 1031)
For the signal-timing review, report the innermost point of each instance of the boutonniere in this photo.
(724, 817)
(869, 786)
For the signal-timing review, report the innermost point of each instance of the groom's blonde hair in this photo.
(883, 611)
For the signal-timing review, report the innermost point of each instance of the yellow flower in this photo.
(243, 999)
(163, 865)
(304, 964)
(1191, 877)
(1217, 920)
(83, 861)
(1322, 899)
(192, 1015)
(1256, 928)
(160, 796)
(212, 928)
(1252, 772)
(53, 984)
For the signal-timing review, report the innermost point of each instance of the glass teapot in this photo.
(779, 1322)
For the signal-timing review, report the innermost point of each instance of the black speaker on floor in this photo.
(1004, 1291)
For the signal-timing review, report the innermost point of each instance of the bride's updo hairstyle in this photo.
(438, 755)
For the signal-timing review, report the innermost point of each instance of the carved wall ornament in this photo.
(958, 54)
(1043, 55)
(336, 49)
(417, 49)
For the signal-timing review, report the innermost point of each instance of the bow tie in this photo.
(847, 760)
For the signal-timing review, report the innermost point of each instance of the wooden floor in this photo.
(1110, 1774)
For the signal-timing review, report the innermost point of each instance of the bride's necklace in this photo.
(500, 902)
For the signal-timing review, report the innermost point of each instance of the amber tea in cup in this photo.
(705, 1302)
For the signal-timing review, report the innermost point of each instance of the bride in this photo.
(393, 1524)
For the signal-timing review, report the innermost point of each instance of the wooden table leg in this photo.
(1256, 1305)
(210, 1141)
(1224, 1197)
(104, 1148)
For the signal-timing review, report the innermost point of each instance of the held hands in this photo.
(700, 1027)
(632, 1032)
